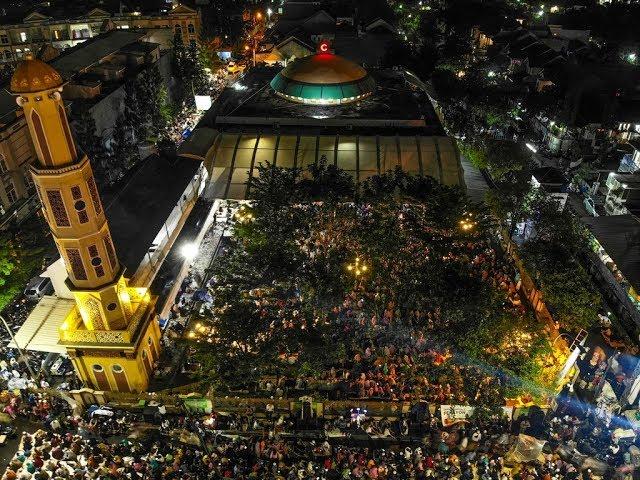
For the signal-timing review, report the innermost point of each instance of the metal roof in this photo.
(40, 331)
(234, 157)
(619, 235)
(91, 52)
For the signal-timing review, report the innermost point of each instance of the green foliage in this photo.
(410, 225)
(189, 70)
(571, 298)
(7, 260)
(18, 263)
(551, 254)
(105, 168)
(124, 148)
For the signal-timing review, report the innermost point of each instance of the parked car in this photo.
(590, 206)
(233, 67)
(38, 287)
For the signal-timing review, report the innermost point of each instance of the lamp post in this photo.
(468, 222)
(243, 215)
(189, 251)
(357, 268)
(269, 12)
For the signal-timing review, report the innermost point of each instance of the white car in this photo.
(38, 288)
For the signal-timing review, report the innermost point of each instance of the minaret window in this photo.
(67, 132)
(42, 140)
(96, 261)
(57, 208)
(111, 254)
(75, 261)
(93, 191)
(79, 204)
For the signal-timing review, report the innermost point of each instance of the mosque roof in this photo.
(33, 75)
(323, 77)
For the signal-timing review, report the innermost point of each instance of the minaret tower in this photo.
(112, 335)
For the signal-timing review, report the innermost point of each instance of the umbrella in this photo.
(202, 296)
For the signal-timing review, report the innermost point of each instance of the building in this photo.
(622, 193)
(322, 108)
(94, 72)
(109, 330)
(64, 26)
(353, 34)
(16, 156)
(615, 263)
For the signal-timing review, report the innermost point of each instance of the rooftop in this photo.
(91, 52)
(397, 105)
(138, 211)
(619, 235)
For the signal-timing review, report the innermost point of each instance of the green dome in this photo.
(323, 79)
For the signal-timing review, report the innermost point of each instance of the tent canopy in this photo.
(40, 332)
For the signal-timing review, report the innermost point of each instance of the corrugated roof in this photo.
(619, 235)
(88, 53)
(40, 331)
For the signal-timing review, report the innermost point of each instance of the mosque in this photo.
(322, 107)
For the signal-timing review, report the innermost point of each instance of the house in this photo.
(65, 24)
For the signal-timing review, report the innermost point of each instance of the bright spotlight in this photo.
(189, 251)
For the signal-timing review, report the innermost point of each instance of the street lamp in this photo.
(357, 268)
(269, 12)
(467, 222)
(243, 215)
(189, 251)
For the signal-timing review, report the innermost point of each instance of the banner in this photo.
(452, 414)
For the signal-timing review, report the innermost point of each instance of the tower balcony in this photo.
(74, 334)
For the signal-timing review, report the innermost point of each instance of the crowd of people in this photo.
(391, 352)
(116, 444)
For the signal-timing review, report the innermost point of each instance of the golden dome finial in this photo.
(33, 75)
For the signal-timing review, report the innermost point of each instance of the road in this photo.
(476, 184)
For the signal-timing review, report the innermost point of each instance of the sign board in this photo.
(452, 414)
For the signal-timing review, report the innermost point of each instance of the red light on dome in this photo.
(323, 47)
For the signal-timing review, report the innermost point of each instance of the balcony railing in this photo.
(125, 336)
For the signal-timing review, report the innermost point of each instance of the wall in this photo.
(17, 151)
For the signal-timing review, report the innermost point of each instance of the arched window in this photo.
(178, 29)
(42, 140)
(117, 368)
(98, 368)
(67, 132)
(191, 29)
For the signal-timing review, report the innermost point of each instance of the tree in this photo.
(188, 69)
(105, 169)
(326, 182)
(7, 260)
(273, 187)
(124, 149)
(153, 94)
(135, 117)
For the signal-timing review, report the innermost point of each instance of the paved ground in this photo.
(476, 183)
(172, 265)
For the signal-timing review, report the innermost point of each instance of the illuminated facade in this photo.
(111, 334)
